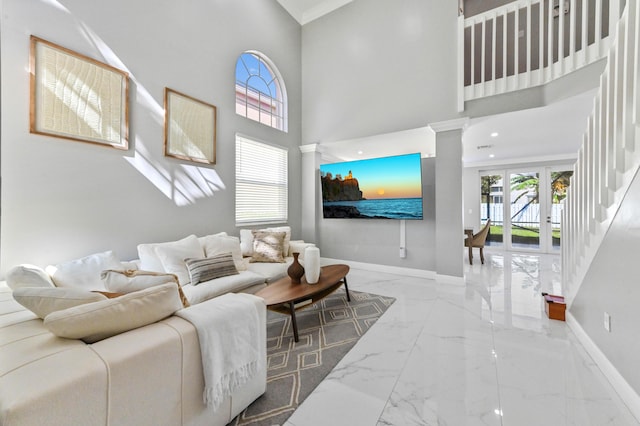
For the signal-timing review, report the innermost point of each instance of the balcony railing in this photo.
(528, 43)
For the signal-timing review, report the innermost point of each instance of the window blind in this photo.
(261, 182)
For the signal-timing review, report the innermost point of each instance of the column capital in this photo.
(311, 147)
(445, 126)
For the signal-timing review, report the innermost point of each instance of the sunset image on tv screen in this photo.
(378, 188)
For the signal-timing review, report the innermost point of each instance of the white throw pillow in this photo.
(84, 272)
(28, 276)
(299, 246)
(246, 242)
(214, 245)
(128, 282)
(96, 321)
(44, 300)
(219, 234)
(123, 282)
(149, 259)
(173, 258)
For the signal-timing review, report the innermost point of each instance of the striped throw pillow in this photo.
(209, 268)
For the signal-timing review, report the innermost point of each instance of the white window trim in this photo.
(281, 85)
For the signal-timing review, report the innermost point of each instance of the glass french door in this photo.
(525, 228)
(559, 182)
(525, 207)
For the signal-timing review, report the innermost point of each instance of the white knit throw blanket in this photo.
(227, 328)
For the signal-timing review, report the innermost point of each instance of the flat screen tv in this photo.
(377, 188)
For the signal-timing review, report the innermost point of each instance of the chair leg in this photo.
(482, 255)
(470, 256)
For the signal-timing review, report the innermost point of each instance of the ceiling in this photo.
(305, 11)
(549, 133)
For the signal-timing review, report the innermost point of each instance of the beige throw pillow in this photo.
(287, 237)
(96, 321)
(268, 246)
(44, 300)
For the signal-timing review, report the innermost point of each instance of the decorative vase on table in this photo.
(295, 270)
(312, 264)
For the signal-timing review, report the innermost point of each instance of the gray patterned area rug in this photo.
(327, 329)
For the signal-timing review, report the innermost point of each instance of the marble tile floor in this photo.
(483, 353)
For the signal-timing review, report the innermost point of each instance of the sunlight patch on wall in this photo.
(182, 183)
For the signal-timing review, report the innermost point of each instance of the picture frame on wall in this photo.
(73, 96)
(189, 128)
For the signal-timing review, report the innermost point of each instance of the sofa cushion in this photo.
(229, 284)
(28, 276)
(96, 321)
(44, 300)
(84, 272)
(268, 246)
(271, 271)
(210, 268)
(215, 244)
(173, 257)
(149, 260)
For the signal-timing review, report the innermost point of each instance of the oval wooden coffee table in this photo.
(282, 295)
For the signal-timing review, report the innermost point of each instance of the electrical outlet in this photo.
(607, 322)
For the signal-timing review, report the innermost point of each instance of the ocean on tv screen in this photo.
(387, 208)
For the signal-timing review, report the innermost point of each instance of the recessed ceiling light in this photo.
(359, 152)
(494, 134)
(491, 155)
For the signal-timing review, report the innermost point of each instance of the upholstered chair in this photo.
(478, 240)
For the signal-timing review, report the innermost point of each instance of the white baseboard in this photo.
(620, 385)
(420, 273)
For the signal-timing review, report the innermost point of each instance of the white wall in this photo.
(63, 199)
(611, 285)
(370, 68)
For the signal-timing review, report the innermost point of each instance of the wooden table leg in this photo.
(346, 288)
(294, 323)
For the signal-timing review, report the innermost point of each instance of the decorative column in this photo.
(449, 196)
(311, 198)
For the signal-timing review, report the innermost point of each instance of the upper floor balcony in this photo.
(529, 43)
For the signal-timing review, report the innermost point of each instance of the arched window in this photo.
(260, 91)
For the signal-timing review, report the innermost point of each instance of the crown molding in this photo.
(447, 125)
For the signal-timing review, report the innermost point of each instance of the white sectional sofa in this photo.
(148, 375)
